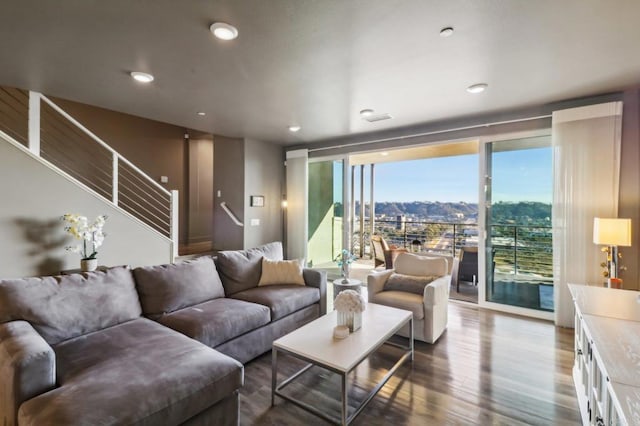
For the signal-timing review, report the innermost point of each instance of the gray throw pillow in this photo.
(408, 283)
(167, 288)
(241, 269)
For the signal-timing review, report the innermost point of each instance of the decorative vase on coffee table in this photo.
(353, 320)
(88, 265)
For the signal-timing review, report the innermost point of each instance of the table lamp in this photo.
(612, 232)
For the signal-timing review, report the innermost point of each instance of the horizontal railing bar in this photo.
(142, 188)
(158, 227)
(123, 170)
(52, 147)
(131, 204)
(75, 173)
(100, 141)
(84, 181)
(158, 213)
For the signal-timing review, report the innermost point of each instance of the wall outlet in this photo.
(164, 179)
(255, 222)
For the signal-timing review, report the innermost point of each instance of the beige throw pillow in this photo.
(281, 272)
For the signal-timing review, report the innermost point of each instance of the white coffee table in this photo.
(315, 344)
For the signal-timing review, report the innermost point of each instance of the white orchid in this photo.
(91, 235)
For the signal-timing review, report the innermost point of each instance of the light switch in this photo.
(219, 193)
(164, 179)
(255, 222)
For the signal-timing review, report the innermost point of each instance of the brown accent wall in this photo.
(228, 178)
(158, 149)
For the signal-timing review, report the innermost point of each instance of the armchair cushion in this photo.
(413, 264)
(408, 283)
(402, 300)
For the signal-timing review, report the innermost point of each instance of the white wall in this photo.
(33, 199)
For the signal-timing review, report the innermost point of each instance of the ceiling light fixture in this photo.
(201, 113)
(142, 77)
(446, 32)
(477, 88)
(294, 129)
(224, 31)
(366, 112)
(384, 154)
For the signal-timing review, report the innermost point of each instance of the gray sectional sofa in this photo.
(159, 345)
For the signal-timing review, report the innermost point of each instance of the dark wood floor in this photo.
(487, 369)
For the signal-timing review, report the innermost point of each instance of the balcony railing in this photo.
(516, 249)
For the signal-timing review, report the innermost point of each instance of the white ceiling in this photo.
(318, 63)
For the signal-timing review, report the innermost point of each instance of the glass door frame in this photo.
(346, 193)
(484, 186)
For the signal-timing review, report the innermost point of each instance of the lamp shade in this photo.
(612, 231)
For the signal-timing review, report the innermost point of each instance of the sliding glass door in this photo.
(517, 221)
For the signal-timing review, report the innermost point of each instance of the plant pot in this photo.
(88, 265)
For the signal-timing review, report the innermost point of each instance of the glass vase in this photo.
(353, 320)
(345, 269)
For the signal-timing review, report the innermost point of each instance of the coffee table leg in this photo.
(274, 375)
(345, 405)
(411, 334)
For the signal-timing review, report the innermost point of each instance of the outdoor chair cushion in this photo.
(136, 373)
(166, 288)
(217, 321)
(63, 307)
(281, 299)
(241, 269)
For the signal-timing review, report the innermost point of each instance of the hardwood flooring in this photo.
(488, 368)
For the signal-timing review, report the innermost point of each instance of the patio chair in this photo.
(466, 268)
(419, 284)
(383, 254)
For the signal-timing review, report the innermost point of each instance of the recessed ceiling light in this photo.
(477, 88)
(384, 154)
(201, 113)
(294, 129)
(142, 77)
(446, 32)
(366, 112)
(224, 31)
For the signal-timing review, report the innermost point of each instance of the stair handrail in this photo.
(230, 214)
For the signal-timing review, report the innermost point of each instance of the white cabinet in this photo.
(606, 370)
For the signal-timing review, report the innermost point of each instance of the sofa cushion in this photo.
(281, 272)
(63, 307)
(401, 300)
(166, 288)
(241, 269)
(216, 321)
(408, 283)
(136, 373)
(418, 265)
(281, 299)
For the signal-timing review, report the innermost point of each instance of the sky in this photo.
(523, 175)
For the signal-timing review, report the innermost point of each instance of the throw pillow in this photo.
(240, 269)
(281, 272)
(408, 283)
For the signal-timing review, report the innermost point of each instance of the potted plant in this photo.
(90, 234)
(344, 260)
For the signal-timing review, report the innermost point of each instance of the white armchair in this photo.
(429, 308)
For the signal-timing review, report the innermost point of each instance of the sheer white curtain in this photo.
(297, 204)
(586, 167)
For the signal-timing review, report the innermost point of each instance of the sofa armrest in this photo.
(437, 291)
(376, 281)
(317, 279)
(27, 368)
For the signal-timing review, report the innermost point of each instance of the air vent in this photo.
(378, 117)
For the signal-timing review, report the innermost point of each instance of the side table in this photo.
(339, 286)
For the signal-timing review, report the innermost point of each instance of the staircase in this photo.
(31, 120)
